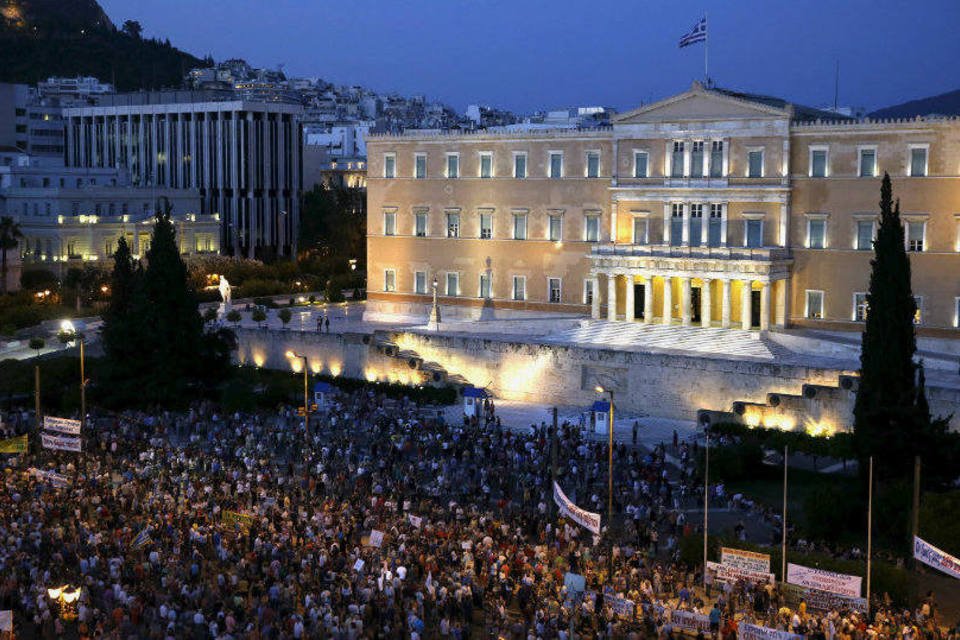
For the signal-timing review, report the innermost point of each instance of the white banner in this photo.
(62, 425)
(416, 521)
(376, 538)
(754, 632)
(61, 443)
(726, 573)
(936, 558)
(824, 580)
(56, 479)
(582, 517)
(742, 559)
(690, 621)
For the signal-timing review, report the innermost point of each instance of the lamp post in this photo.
(306, 392)
(435, 310)
(65, 597)
(601, 391)
(69, 333)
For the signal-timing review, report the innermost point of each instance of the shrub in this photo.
(259, 316)
(284, 315)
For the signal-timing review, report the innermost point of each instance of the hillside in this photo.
(945, 104)
(41, 38)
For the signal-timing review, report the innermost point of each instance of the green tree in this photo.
(284, 315)
(123, 334)
(37, 344)
(259, 316)
(9, 235)
(210, 314)
(235, 317)
(892, 419)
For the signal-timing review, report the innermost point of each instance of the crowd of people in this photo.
(388, 521)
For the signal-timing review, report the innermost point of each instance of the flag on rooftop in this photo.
(697, 34)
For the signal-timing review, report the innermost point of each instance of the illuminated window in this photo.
(453, 165)
(916, 233)
(918, 161)
(420, 224)
(519, 226)
(389, 165)
(420, 282)
(814, 310)
(553, 290)
(390, 224)
(588, 291)
(420, 166)
(918, 314)
(867, 161)
(389, 280)
(486, 226)
(591, 228)
(555, 228)
(453, 284)
(453, 225)
(816, 234)
(860, 307)
(556, 164)
(519, 287)
(755, 163)
(640, 164)
(864, 235)
(818, 162)
(485, 288)
(486, 165)
(593, 164)
(519, 165)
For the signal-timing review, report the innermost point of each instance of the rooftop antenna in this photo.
(836, 86)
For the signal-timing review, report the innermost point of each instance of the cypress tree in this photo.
(121, 334)
(887, 424)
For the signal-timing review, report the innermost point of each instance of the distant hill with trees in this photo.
(42, 38)
(945, 104)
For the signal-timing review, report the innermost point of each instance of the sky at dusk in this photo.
(525, 55)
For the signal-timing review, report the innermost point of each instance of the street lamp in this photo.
(306, 394)
(68, 333)
(435, 309)
(602, 391)
(65, 597)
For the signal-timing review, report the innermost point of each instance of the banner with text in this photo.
(690, 621)
(936, 558)
(742, 559)
(726, 573)
(824, 580)
(581, 516)
(59, 442)
(14, 445)
(56, 479)
(754, 632)
(62, 425)
(818, 600)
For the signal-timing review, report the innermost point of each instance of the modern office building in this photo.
(711, 208)
(242, 157)
(31, 123)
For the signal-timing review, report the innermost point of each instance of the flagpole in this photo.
(706, 48)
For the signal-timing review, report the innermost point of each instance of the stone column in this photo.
(745, 304)
(685, 302)
(667, 301)
(648, 300)
(765, 307)
(725, 303)
(705, 303)
(628, 311)
(611, 297)
(666, 223)
(723, 225)
(595, 300)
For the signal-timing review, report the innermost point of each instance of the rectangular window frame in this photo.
(746, 231)
(485, 278)
(911, 244)
(389, 223)
(517, 217)
(857, 245)
(859, 311)
(812, 221)
(876, 161)
(926, 160)
(453, 174)
(517, 174)
(643, 220)
(637, 165)
(591, 227)
(485, 232)
(390, 280)
(518, 294)
(826, 161)
(588, 291)
(751, 152)
(551, 298)
(554, 175)
(420, 282)
(807, 307)
(919, 315)
(588, 158)
(555, 224)
(451, 277)
(420, 166)
(453, 222)
(417, 230)
(390, 165)
(488, 157)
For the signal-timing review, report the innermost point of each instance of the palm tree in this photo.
(9, 232)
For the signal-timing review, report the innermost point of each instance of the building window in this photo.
(640, 231)
(74, 208)
(918, 162)
(555, 228)
(753, 234)
(864, 235)
(519, 287)
(818, 163)
(453, 225)
(519, 165)
(556, 164)
(918, 314)
(755, 164)
(420, 166)
(553, 289)
(716, 159)
(591, 228)
(867, 160)
(696, 224)
(453, 165)
(486, 226)
(588, 291)
(676, 224)
(389, 280)
(676, 160)
(389, 165)
(420, 224)
(519, 226)
(956, 312)
(640, 164)
(816, 234)
(696, 159)
(715, 232)
(593, 164)
(916, 231)
(814, 310)
(420, 282)
(453, 284)
(486, 165)
(860, 307)
(390, 224)
(485, 290)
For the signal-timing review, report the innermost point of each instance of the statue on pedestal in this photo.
(225, 293)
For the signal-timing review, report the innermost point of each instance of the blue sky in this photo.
(529, 54)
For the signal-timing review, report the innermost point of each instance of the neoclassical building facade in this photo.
(711, 208)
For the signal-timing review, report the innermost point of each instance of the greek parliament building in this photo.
(711, 208)
(243, 158)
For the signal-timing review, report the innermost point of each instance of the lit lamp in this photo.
(602, 391)
(434, 320)
(68, 333)
(67, 599)
(306, 395)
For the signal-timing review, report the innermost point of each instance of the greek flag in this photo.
(143, 538)
(697, 34)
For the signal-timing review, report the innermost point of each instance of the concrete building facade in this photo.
(242, 157)
(710, 208)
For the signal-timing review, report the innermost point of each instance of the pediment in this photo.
(700, 104)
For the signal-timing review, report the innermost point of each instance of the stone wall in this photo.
(670, 385)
